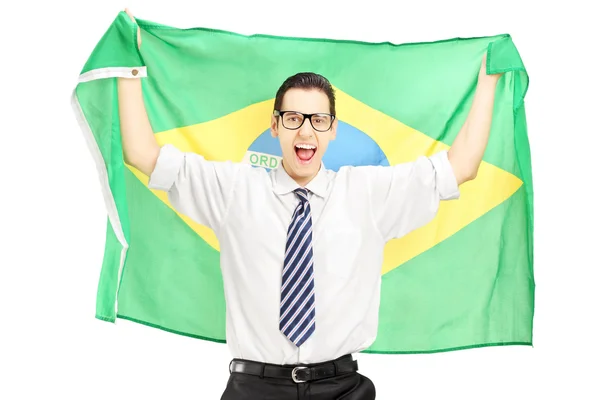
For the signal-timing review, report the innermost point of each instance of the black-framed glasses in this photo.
(320, 122)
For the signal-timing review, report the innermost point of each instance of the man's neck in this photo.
(302, 181)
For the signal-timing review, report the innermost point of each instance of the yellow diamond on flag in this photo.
(229, 138)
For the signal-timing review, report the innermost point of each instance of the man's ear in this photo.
(274, 131)
(334, 129)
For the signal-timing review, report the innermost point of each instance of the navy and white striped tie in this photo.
(297, 311)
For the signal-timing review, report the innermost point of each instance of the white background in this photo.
(53, 219)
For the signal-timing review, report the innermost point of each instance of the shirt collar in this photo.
(285, 184)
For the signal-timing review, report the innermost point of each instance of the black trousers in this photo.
(350, 386)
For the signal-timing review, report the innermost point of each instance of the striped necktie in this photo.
(297, 310)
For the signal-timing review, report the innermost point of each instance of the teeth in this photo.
(306, 146)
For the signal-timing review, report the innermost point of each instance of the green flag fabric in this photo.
(463, 280)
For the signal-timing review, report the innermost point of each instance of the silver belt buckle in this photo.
(295, 377)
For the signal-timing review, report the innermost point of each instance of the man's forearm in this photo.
(467, 150)
(140, 148)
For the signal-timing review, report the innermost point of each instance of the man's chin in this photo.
(307, 168)
(302, 170)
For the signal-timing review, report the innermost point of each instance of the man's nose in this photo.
(306, 128)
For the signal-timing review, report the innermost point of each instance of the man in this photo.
(302, 246)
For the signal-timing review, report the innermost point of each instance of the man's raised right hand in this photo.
(139, 36)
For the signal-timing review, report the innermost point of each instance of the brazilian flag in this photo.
(463, 280)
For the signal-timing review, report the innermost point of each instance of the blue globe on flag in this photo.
(350, 147)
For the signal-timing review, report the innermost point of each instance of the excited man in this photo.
(302, 246)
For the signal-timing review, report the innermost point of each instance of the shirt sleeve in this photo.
(197, 188)
(406, 196)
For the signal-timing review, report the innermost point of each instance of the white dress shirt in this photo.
(355, 211)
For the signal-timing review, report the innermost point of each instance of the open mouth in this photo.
(305, 153)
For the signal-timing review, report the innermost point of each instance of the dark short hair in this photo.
(306, 80)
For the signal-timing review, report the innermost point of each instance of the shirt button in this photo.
(134, 72)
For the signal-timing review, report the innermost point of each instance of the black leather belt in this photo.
(298, 373)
